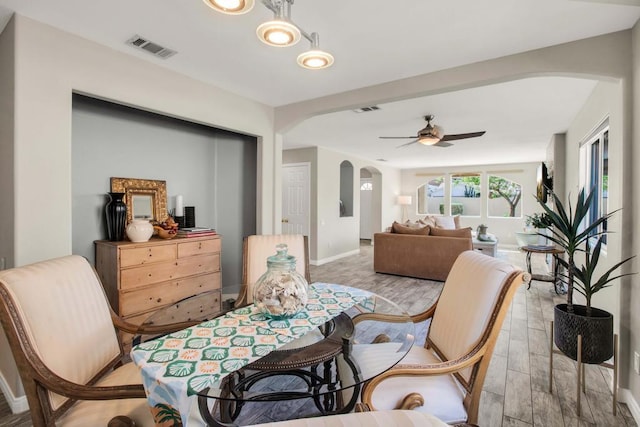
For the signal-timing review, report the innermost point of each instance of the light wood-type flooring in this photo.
(515, 393)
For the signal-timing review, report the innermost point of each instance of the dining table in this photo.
(230, 366)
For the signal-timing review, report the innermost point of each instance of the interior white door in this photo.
(295, 198)
(366, 192)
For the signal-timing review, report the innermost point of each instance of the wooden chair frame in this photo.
(38, 379)
(477, 358)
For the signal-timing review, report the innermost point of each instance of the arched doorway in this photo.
(370, 202)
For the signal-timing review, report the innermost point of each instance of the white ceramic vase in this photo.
(139, 230)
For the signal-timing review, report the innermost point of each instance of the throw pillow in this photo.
(403, 229)
(446, 222)
(443, 232)
(429, 220)
(416, 224)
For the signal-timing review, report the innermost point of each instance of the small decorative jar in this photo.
(281, 292)
(139, 230)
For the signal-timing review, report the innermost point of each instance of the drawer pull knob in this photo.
(159, 300)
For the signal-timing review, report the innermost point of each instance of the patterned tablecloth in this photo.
(179, 365)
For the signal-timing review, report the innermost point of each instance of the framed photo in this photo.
(145, 198)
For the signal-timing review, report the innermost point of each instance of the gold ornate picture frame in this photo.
(145, 198)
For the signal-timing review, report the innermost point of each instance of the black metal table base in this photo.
(318, 372)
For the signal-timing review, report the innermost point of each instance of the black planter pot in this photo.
(596, 331)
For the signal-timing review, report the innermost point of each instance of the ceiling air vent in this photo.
(366, 109)
(151, 47)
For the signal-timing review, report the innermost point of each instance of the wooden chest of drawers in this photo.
(140, 278)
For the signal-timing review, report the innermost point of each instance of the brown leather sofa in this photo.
(424, 257)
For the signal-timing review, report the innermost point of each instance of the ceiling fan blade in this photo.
(408, 143)
(397, 137)
(453, 137)
(442, 144)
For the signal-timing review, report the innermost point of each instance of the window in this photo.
(366, 186)
(465, 194)
(431, 196)
(504, 198)
(595, 155)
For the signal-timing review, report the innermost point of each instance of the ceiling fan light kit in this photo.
(428, 139)
(433, 135)
(280, 31)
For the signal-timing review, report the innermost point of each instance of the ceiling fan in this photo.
(433, 135)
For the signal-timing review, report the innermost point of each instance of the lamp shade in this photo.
(404, 200)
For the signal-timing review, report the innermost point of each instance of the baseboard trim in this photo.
(333, 258)
(625, 396)
(17, 404)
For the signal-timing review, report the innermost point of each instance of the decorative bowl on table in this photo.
(165, 233)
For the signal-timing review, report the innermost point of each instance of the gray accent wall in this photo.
(214, 170)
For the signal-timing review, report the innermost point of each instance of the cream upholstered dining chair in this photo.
(445, 377)
(396, 418)
(255, 251)
(60, 328)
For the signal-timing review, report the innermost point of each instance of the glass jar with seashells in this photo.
(281, 292)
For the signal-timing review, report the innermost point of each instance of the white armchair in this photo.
(445, 377)
(369, 419)
(60, 328)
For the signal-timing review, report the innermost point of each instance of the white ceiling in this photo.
(373, 42)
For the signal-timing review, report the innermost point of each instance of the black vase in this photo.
(116, 214)
(596, 331)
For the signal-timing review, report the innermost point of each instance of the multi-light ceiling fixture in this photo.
(280, 31)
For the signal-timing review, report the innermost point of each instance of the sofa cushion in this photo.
(405, 229)
(461, 232)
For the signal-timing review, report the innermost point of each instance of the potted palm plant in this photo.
(567, 230)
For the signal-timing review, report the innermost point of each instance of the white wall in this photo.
(333, 236)
(503, 228)
(49, 66)
(630, 297)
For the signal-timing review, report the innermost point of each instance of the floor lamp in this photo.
(404, 201)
